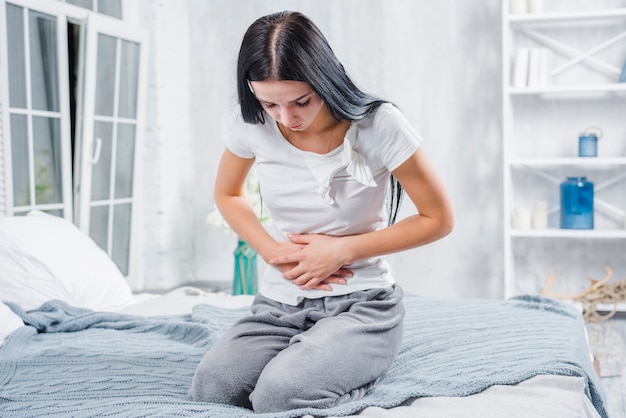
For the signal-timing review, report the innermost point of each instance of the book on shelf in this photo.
(532, 67)
(520, 67)
(545, 66)
(539, 67)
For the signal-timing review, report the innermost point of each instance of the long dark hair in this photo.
(289, 46)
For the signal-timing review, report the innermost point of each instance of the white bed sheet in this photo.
(181, 301)
(542, 396)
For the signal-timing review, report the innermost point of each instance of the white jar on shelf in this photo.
(521, 218)
(519, 6)
(540, 215)
(535, 6)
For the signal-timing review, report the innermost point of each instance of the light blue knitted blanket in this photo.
(79, 363)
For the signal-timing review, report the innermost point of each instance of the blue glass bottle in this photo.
(577, 203)
(245, 278)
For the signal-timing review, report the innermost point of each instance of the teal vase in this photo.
(245, 280)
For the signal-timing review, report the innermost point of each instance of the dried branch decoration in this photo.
(598, 292)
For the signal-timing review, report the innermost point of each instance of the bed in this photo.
(68, 351)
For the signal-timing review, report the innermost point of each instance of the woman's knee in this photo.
(217, 380)
(280, 393)
(212, 384)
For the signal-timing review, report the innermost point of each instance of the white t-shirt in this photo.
(340, 193)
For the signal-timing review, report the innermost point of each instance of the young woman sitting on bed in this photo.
(328, 320)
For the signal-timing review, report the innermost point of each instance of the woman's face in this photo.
(293, 104)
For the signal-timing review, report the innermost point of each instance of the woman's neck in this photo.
(321, 141)
(324, 135)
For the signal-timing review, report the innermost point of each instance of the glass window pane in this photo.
(124, 160)
(87, 4)
(101, 171)
(47, 159)
(44, 62)
(121, 236)
(105, 75)
(19, 158)
(17, 58)
(55, 212)
(110, 8)
(129, 76)
(99, 225)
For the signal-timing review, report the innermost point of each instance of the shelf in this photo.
(601, 162)
(573, 16)
(602, 308)
(569, 233)
(576, 84)
(569, 89)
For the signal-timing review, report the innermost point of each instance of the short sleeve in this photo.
(397, 140)
(237, 139)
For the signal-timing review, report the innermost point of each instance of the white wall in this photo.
(168, 169)
(3, 168)
(439, 61)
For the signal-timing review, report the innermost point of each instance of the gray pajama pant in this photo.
(319, 354)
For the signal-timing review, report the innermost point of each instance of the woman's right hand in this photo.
(288, 247)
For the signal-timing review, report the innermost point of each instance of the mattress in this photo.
(538, 396)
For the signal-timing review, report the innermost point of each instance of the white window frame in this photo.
(73, 195)
(53, 9)
(85, 141)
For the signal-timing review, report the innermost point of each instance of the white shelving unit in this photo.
(541, 125)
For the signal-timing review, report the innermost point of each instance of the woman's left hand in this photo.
(320, 262)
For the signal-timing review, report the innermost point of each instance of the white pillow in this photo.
(44, 257)
(9, 322)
